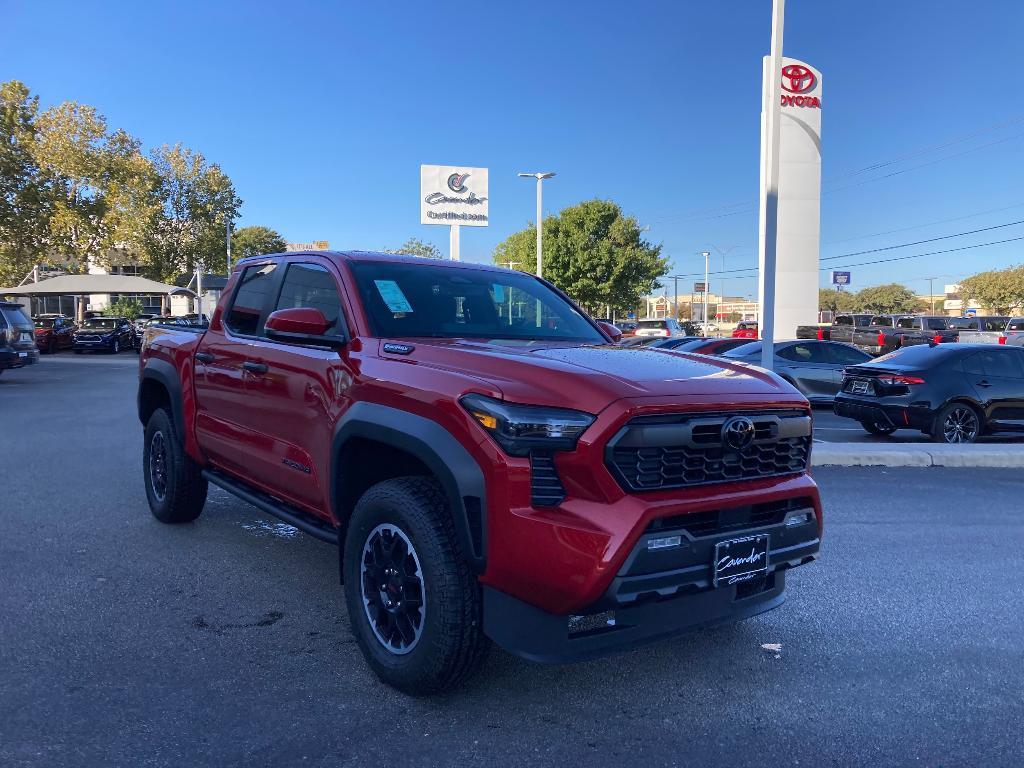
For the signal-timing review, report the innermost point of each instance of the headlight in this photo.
(518, 429)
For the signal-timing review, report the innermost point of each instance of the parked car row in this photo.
(881, 334)
(17, 337)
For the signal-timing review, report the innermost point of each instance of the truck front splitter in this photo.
(534, 634)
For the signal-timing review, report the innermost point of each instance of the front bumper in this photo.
(86, 344)
(658, 593)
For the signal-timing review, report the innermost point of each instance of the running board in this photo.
(304, 522)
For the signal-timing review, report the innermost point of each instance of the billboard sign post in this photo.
(454, 195)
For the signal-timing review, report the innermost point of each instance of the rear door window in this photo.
(245, 313)
(844, 320)
(937, 324)
(843, 355)
(1002, 363)
(804, 353)
(882, 320)
(907, 322)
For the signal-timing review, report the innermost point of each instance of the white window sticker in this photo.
(499, 292)
(393, 296)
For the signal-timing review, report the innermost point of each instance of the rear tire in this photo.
(877, 428)
(175, 486)
(957, 423)
(414, 605)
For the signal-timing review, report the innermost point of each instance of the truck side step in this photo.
(304, 522)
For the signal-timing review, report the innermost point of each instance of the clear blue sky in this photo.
(321, 113)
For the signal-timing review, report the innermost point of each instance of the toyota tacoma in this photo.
(490, 463)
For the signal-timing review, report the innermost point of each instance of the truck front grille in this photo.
(684, 450)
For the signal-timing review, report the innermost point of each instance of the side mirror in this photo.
(301, 325)
(611, 330)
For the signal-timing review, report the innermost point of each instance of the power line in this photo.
(877, 261)
(747, 206)
(925, 224)
(922, 242)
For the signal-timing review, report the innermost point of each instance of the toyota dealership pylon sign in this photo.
(455, 195)
(799, 205)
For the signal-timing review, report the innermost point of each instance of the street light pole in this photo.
(227, 238)
(540, 217)
(931, 294)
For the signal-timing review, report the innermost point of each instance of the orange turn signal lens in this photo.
(488, 421)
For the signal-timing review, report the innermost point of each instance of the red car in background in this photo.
(745, 331)
(54, 332)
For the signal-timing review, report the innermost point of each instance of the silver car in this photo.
(813, 367)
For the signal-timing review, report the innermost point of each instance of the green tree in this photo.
(102, 186)
(592, 252)
(256, 241)
(25, 199)
(417, 247)
(124, 307)
(1001, 290)
(836, 301)
(196, 201)
(886, 299)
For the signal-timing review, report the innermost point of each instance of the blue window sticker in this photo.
(393, 296)
(499, 293)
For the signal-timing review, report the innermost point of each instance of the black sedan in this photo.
(108, 334)
(813, 367)
(953, 392)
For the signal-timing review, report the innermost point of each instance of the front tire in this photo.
(878, 428)
(175, 486)
(414, 606)
(957, 423)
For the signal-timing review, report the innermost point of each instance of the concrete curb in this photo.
(917, 455)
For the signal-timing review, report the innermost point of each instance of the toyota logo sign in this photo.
(796, 78)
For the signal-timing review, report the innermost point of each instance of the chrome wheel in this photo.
(960, 425)
(392, 589)
(158, 465)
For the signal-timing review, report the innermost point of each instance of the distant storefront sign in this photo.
(316, 245)
(700, 287)
(453, 194)
(840, 278)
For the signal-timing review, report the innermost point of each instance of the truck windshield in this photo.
(421, 300)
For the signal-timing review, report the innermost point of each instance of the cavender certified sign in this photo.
(453, 194)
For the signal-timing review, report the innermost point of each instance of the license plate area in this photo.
(738, 560)
(860, 387)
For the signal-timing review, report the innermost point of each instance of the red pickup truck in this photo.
(490, 464)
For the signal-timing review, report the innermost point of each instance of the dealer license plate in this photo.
(23, 355)
(739, 560)
(860, 387)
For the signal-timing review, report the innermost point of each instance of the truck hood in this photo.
(592, 377)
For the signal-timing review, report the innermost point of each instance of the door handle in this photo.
(984, 383)
(204, 357)
(252, 367)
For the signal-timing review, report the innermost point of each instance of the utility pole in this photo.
(707, 257)
(227, 238)
(199, 291)
(771, 192)
(931, 294)
(675, 295)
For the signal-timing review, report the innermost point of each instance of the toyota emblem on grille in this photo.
(738, 433)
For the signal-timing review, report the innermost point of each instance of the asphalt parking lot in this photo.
(225, 642)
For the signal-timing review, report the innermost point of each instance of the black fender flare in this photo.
(165, 374)
(458, 472)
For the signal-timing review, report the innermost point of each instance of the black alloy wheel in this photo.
(392, 590)
(957, 423)
(158, 465)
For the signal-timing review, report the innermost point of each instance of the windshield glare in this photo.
(744, 350)
(413, 300)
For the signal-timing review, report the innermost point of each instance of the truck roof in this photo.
(398, 258)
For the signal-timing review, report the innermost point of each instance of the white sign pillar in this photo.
(790, 210)
(456, 196)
